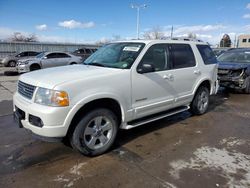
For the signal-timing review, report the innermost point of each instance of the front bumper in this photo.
(53, 118)
(22, 68)
(237, 82)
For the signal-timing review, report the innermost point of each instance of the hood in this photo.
(233, 65)
(51, 77)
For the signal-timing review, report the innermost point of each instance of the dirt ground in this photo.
(186, 151)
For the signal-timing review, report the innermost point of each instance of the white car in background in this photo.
(47, 60)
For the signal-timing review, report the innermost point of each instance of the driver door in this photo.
(152, 92)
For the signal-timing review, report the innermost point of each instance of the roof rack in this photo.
(187, 39)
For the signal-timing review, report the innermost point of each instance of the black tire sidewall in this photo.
(34, 67)
(247, 89)
(194, 105)
(81, 126)
(9, 64)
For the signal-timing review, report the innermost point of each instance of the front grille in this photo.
(223, 71)
(26, 90)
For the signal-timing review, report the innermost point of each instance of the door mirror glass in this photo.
(146, 68)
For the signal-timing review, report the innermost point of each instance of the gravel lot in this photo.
(180, 151)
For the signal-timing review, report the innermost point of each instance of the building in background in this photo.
(244, 41)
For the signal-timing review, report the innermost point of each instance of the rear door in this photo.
(50, 60)
(63, 59)
(185, 73)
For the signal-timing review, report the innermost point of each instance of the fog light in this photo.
(36, 121)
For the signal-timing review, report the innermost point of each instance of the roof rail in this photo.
(187, 39)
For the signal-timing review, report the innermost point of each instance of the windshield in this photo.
(40, 55)
(238, 57)
(116, 55)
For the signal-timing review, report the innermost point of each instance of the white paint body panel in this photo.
(138, 95)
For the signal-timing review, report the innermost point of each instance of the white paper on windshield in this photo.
(131, 48)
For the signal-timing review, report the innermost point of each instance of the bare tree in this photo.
(19, 37)
(155, 33)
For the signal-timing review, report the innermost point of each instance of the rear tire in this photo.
(35, 67)
(247, 89)
(95, 133)
(200, 102)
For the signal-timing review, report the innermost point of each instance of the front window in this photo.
(237, 57)
(116, 55)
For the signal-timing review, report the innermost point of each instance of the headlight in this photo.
(50, 97)
(235, 73)
(23, 62)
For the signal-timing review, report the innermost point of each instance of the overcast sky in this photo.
(89, 21)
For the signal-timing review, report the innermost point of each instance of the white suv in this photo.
(121, 86)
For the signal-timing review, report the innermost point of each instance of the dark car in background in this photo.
(234, 69)
(219, 51)
(11, 60)
(84, 53)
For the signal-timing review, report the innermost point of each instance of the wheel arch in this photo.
(81, 109)
(205, 82)
(35, 64)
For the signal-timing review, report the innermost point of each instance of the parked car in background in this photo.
(219, 51)
(84, 53)
(11, 60)
(46, 60)
(234, 69)
(121, 86)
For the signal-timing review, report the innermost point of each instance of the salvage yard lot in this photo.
(211, 150)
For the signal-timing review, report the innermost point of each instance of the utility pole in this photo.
(137, 7)
(172, 30)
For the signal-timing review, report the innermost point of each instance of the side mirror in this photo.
(145, 68)
(45, 57)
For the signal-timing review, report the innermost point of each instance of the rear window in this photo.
(207, 54)
(182, 56)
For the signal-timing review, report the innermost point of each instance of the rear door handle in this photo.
(168, 77)
(197, 72)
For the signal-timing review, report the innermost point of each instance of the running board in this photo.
(151, 118)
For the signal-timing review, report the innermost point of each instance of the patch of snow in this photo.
(76, 168)
(229, 163)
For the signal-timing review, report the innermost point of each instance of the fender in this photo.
(88, 99)
(199, 83)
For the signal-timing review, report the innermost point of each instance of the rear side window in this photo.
(51, 55)
(62, 55)
(182, 56)
(33, 53)
(207, 54)
(88, 51)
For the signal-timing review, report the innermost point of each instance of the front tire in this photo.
(200, 102)
(34, 67)
(247, 89)
(95, 133)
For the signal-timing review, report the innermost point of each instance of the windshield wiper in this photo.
(95, 64)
